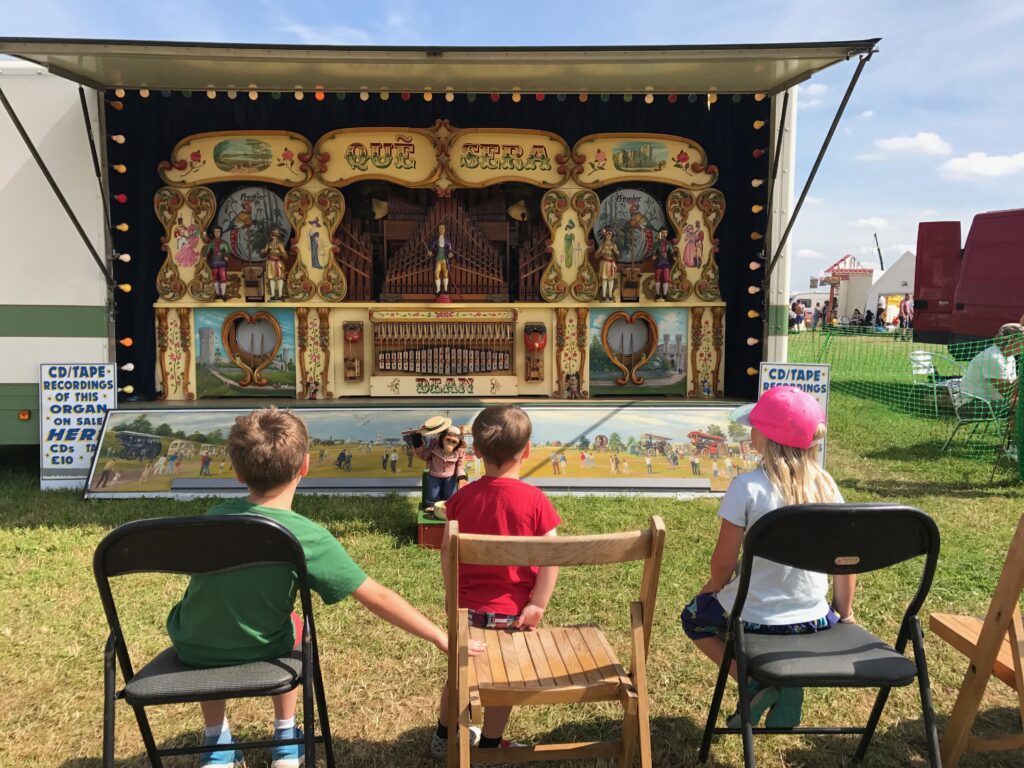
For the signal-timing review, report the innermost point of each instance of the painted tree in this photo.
(615, 442)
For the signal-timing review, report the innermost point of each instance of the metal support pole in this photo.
(95, 156)
(56, 189)
(864, 59)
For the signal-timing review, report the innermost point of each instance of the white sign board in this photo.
(812, 378)
(73, 402)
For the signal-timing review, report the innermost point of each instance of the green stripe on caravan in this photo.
(67, 321)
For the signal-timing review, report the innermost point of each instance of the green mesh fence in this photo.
(956, 399)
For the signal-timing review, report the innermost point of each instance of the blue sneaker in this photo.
(222, 758)
(291, 755)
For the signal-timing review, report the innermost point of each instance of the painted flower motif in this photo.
(287, 159)
(195, 161)
(680, 159)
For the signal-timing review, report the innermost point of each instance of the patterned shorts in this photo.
(704, 617)
(485, 620)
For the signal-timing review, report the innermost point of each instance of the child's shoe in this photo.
(787, 710)
(761, 699)
(287, 755)
(222, 758)
(439, 744)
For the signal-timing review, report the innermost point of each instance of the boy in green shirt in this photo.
(239, 616)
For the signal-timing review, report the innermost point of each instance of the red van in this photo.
(966, 295)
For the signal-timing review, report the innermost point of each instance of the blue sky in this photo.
(933, 131)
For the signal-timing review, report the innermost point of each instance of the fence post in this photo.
(1018, 439)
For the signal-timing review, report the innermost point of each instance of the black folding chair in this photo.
(832, 539)
(205, 545)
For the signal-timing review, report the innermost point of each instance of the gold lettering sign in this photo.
(448, 386)
(609, 158)
(483, 156)
(280, 157)
(406, 156)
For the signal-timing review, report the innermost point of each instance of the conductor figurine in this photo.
(441, 250)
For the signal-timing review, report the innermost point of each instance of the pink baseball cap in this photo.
(785, 415)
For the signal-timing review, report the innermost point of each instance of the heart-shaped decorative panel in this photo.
(629, 340)
(252, 341)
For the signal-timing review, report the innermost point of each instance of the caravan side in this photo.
(53, 296)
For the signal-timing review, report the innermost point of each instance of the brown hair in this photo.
(267, 448)
(500, 432)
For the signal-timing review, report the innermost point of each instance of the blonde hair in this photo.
(795, 473)
(267, 448)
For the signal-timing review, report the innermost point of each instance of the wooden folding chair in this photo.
(995, 647)
(551, 665)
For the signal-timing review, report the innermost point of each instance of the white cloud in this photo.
(871, 222)
(812, 200)
(921, 143)
(866, 250)
(870, 157)
(927, 213)
(807, 253)
(978, 165)
(330, 35)
(812, 95)
(867, 113)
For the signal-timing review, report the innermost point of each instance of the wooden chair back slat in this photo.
(599, 549)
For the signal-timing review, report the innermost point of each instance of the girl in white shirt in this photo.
(786, 427)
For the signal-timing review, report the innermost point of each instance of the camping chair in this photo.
(994, 648)
(924, 373)
(971, 409)
(205, 545)
(832, 539)
(551, 665)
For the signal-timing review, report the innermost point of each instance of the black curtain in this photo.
(153, 125)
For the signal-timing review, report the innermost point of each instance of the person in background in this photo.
(906, 315)
(816, 317)
(992, 373)
(786, 428)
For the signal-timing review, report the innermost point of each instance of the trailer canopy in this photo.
(768, 68)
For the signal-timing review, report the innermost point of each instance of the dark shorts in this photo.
(662, 275)
(704, 617)
(485, 620)
(220, 274)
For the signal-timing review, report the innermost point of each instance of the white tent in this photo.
(891, 285)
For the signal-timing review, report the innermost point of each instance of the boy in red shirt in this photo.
(500, 504)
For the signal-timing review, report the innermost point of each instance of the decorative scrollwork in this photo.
(553, 206)
(167, 202)
(711, 204)
(296, 205)
(587, 205)
(333, 285)
(553, 286)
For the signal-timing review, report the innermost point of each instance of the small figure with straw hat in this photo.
(441, 444)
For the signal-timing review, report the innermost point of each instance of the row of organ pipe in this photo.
(444, 348)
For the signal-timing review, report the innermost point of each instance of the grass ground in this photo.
(382, 685)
